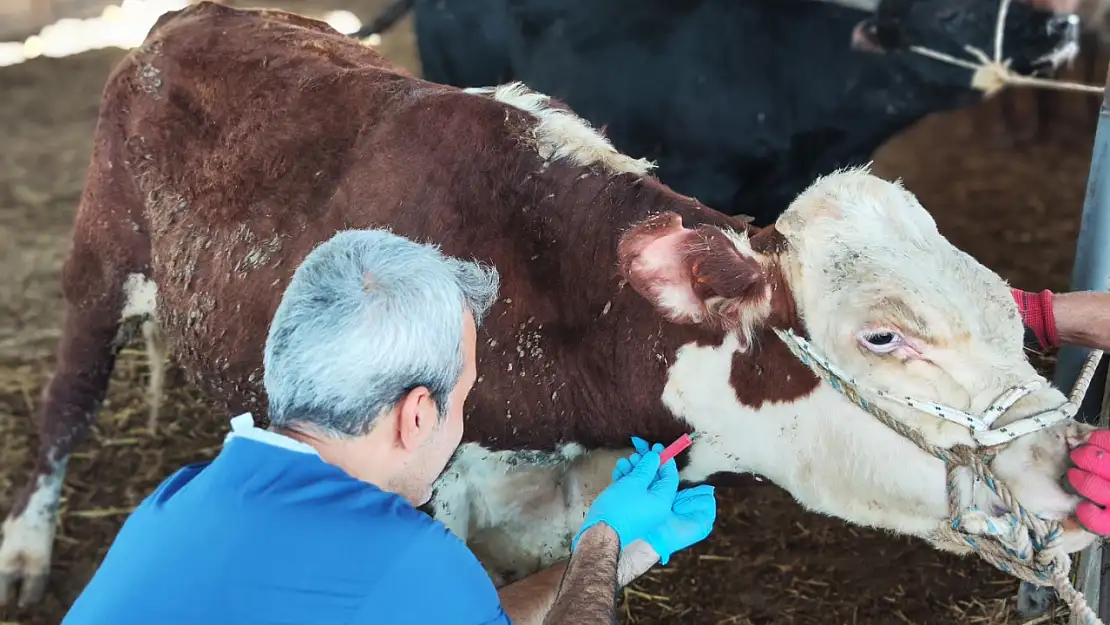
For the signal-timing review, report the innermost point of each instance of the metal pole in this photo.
(1091, 272)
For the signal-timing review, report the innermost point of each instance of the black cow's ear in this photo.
(865, 37)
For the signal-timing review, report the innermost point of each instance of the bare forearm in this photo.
(1083, 318)
(527, 601)
(588, 592)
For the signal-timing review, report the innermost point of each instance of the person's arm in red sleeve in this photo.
(1081, 318)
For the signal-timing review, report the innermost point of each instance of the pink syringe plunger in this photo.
(675, 448)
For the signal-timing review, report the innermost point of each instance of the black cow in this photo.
(742, 103)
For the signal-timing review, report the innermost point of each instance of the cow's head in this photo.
(1037, 39)
(860, 268)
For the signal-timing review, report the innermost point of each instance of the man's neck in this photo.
(341, 454)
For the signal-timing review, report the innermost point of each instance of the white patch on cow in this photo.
(830, 455)
(140, 300)
(563, 135)
(519, 510)
(140, 297)
(29, 536)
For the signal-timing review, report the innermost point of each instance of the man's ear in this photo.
(417, 418)
(696, 276)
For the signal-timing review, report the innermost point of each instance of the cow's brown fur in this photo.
(232, 142)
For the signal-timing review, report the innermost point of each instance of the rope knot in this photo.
(992, 76)
(1015, 542)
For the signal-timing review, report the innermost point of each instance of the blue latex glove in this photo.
(692, 514)
(636, 502)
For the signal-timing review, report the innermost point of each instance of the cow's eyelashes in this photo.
(881, 341)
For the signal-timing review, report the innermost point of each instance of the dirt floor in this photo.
(1017, 210)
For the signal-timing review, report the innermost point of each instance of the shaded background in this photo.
(1016, 209)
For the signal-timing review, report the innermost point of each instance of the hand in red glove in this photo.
(1090, 478)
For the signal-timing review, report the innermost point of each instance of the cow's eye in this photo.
(880, 341)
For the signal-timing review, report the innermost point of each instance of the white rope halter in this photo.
(1016, 541)
(979, 424)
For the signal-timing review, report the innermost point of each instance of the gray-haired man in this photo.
(370, 357)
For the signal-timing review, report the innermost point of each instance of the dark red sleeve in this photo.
(1037, 315)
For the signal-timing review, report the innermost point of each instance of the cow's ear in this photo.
(700, 275)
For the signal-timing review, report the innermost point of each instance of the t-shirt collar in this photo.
(243, 426)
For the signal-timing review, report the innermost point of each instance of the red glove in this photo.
(1037, 314)
(1090, 479)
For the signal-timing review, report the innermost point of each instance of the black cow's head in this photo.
(1036, 39)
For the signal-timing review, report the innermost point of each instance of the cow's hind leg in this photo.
(102, 287)
(86, 355)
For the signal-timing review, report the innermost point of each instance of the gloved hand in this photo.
(1090, 479)
(637, 501)
(692, 514)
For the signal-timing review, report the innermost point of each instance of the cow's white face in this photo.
(892, 303)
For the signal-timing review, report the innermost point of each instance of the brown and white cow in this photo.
(232, 142)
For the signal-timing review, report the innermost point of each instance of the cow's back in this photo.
(253, 137)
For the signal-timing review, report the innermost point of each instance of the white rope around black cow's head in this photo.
(992, 74)
(1016, 542)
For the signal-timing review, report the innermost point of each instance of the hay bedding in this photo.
(767, 562)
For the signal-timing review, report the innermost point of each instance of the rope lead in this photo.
(1016, 542)
(991, 75)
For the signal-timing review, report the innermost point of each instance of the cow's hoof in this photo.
(1033, 601)
(24, 561)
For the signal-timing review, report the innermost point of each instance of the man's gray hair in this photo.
(367, 317)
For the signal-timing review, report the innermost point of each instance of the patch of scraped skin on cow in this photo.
(562, 135)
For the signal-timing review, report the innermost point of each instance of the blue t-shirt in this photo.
(269, 535)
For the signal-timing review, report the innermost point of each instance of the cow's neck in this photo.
(586, 359)
(580, 216)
